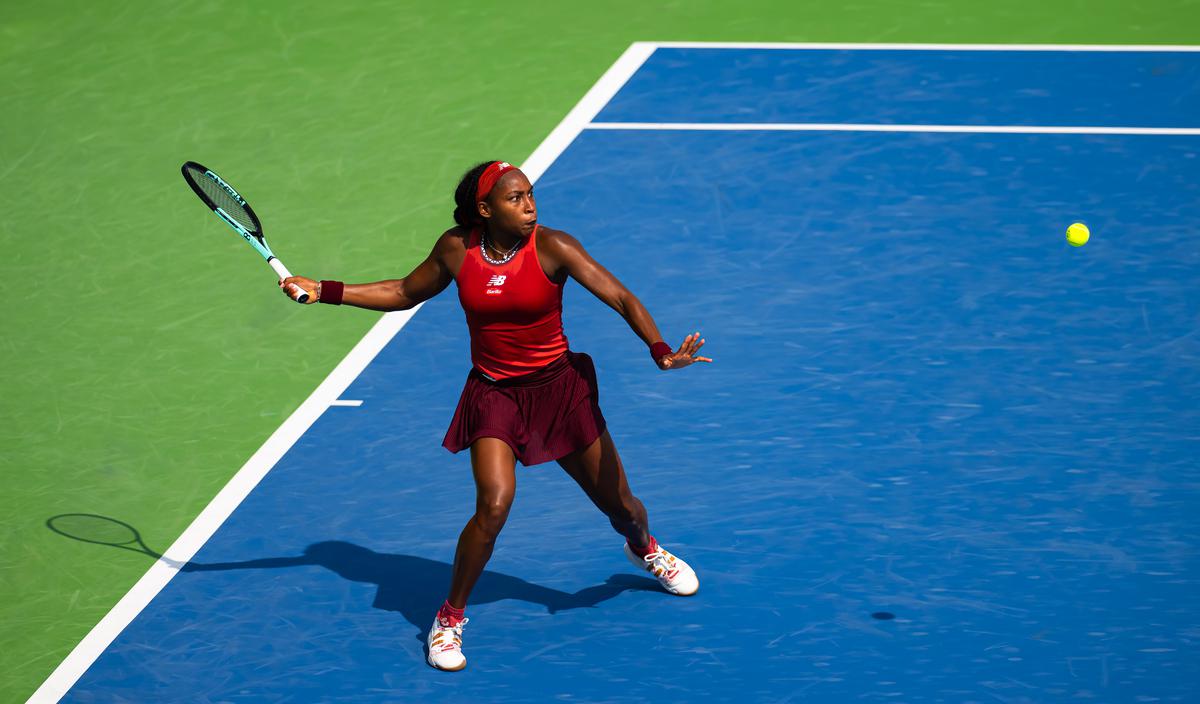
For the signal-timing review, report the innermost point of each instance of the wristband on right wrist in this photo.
(331, 292)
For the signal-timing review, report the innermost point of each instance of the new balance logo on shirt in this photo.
(496, 281)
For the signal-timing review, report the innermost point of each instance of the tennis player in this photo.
(528, 397)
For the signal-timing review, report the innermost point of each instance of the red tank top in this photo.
(513, 311)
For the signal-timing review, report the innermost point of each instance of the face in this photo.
(510, 206)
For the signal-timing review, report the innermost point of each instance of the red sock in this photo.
(449, 614)
(642, 552)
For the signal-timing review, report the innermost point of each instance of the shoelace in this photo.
(456, 632)
(662, 564)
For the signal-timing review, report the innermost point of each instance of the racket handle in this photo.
(298, 294)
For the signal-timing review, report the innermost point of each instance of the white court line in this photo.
(848, 127)
(927, 47)
(239, 487)
(845, 127)
(586, 109)
(346, 402)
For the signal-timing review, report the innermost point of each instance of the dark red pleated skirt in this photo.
(542, 416)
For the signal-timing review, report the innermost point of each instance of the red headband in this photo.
(489, 177)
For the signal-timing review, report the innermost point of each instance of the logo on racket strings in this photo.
(229, 189)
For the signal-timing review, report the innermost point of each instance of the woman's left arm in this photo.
(568, 255)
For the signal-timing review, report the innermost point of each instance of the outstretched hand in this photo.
(685, 355)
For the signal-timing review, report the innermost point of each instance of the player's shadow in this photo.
(412, 586)
(415, 586)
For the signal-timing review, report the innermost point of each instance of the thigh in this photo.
(494, 466)
(598, 471)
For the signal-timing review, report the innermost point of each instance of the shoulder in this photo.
(450, 250)
(560, 254)
(557, 243)
(452, 241)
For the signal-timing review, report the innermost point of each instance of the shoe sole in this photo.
(445, 669)
(691, 593)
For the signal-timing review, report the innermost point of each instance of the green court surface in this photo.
(146, 355)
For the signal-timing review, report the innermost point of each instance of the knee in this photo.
(491, 513)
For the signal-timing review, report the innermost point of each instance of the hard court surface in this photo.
(924, 405)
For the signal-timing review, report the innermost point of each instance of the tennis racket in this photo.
(235, 211)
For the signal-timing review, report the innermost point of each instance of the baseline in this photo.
(926, 47)
(850, 127)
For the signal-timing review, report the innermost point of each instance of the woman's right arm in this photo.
(429, 279)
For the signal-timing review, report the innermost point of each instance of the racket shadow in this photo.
(102, 530)
(406, 584)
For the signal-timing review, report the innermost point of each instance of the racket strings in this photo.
(222, 199)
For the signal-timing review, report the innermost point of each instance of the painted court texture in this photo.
(924, 404)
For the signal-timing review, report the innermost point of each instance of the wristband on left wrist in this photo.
(659, 350)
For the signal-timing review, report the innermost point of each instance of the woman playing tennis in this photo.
(527, 397)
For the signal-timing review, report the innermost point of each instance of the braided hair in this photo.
(465, 212)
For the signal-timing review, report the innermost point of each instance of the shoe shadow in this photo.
(415, 586)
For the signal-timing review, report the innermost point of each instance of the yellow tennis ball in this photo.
(1077, 234)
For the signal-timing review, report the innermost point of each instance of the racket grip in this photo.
(298, 294)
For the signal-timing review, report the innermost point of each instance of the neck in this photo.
(502, 240)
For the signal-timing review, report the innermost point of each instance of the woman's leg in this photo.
(598, 471)
(494, 467)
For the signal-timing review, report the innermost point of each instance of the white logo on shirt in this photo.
(497, 280)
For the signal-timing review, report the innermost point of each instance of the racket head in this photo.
(91, 528)
(222, 198)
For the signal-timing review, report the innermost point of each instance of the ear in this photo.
(485, 210)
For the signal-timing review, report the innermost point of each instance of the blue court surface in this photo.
(941, 456)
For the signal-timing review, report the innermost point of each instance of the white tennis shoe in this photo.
(672, 573)
(445, 645)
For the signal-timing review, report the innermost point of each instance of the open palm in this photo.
(685, 355)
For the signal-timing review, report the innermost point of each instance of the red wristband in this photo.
(659, 350)
(331, 292)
